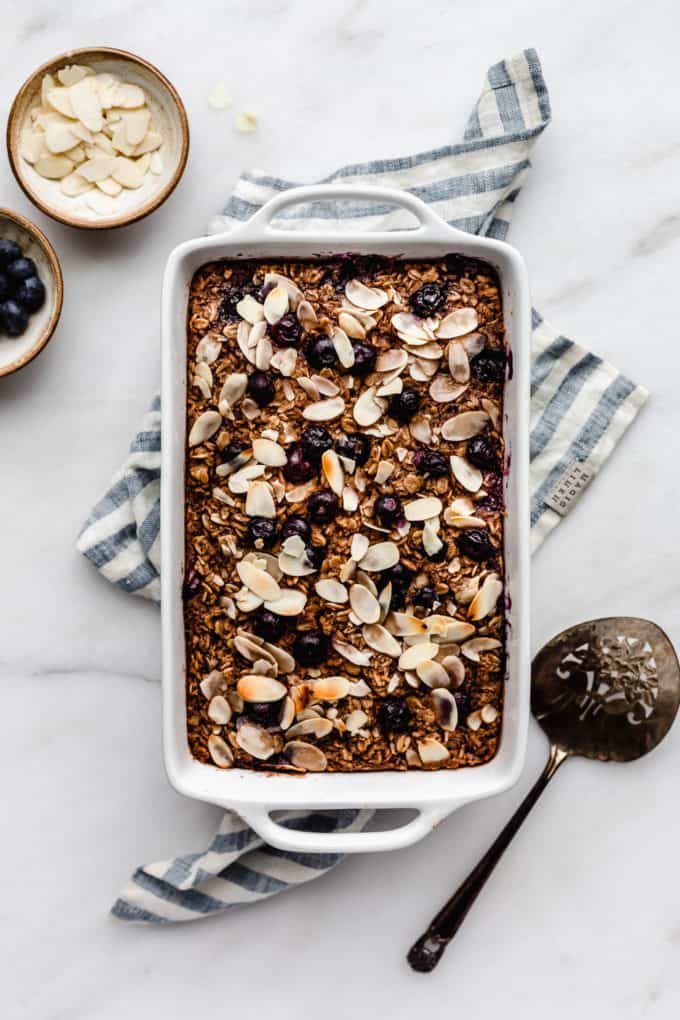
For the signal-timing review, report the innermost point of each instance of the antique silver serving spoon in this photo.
(607, 689)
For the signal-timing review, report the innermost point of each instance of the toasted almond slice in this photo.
(325, 387)
(205, 427)
(464, 425)
(331, 591)
(474, 344)
(368, 298)
(260, 501)
(459, 363)
(268, 452)
(293, 546)
(245, 122)
(316, 727)
(446, 629)
(74, 185)
(289, 603)
(472, 649)
(455, 669)
(352, 654)
(256, 741)
(474, 721)
(310, 387)
(457, 323)
(293, 291)
(287, 713)
(295, 566)
(299, 493)
(364, 604)
(432, 751)
(343, 348)
(420, 429)
(359, 546)
(239, 481)
(379, 557)
(368, 409)
(53, 167)
(305, 756)
(383, 471)
(488, 713)
(392, 360)
(220, 752)
(306, 315)
(250, 309)
(486, 598)
(433, 673)
(263, 353)
(380, 640)
(255, 688)
(332, 471)
(469, 476)
(208, 349)
(330, 688)
(443, 389)
(424, 508)
(445, 709)
(410, 326)
(493, 411)
(284, 361)
(351, 327)
(405, 625)
(420, 652)
(350, 499)
(432, 543)
(219, 710)
(258, 581)
(324, 410)
(367, 320)
(276, 304)
(384, 601)
(355, 721)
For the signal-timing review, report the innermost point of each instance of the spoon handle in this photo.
(427, 951)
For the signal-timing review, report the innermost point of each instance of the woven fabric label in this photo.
(568, 487)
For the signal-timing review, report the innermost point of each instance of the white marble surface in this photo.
(583, 917)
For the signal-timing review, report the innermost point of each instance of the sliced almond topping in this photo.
(432, 543)
(420, 652)
(474, 344)
(260, 501)
(380, 640)
(343, 348)
(295, 566)
(233, 389)
(239, 481)
(255, 688)
(465, 425)
(459, 364)
(306, 315)
(287, 713)
(359, 546)
(489, 714)
(369, 408)
(424, 508)
(332, 471)
(350, 499)
(474, 721)
(368, 298)
(355, 721)
(305, 756)
(430, 352)
(352, 327)
(405, 625)
(352, 654)
(420, 429)
(431, 751)
(330, 688)
(469, 476)
(219, 710)
(379, 557)
(289, 603)
(324, 410)
(486, 598)
(256, 741)
(384, 601)
(392, 360)
(250, 309)
(263, 353)
(284, 361)
(472, 649)
(383, 471)
(331, 591)
(455, 669)
(457, 323)
(326, 387)
(364, 604)
(205, 427)
(409, 326)
(390, 388)
(446, 629)
(258, 581)
(443, 389)
(433, 674)
(493, 411)
(275, 304)
(445, 709)
(267, 452)
(315, 727)
(220, 752)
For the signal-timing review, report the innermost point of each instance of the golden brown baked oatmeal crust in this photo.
(371, 635)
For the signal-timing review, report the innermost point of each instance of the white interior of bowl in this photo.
(166, 120)
(20, 348)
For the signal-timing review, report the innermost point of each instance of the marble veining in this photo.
(592, 876)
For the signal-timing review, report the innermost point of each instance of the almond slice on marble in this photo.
(423, 509)
(331, 469)
(258, 581)
(368, 409)
(432, 751)
(470, 477)
(364, 604)
(257, 688)
(464, 425)
(267, 452)
(275, 304)
(379, 557)
(245, 122)
(457, 323)
(368, 298)
(486, 598)
(205, 427)
(421, 652)
(289, 603)
(324, 410)
(380, 640)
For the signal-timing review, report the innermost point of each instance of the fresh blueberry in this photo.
(21, 269)
(315, 554)
(463, 703)
(489, 366)
(355, 446)
(4, 286)
(364, 358)
(311, 648)
(430, 462)
(9, 252)
(323, 506)
(232, 451)
(13, 318)
(427, 300)
(261, 532)
(394, 715)
(404, 405)
(440, 555)
(192, 585)
(400, 577)
(482, 453)
(261, 388)
(268, 626)
(296, 525)
(314, 441)
(286, 332)
(475, 544)
(298, 468)
(425, 597)
(30, 294)
(264, 713)
(388, 510)
(320, 351)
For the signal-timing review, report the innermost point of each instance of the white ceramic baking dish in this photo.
(254, 795)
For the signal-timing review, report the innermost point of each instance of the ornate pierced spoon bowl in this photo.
(607, 689)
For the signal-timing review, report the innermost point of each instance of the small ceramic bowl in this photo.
(169, 118)
(18, 351)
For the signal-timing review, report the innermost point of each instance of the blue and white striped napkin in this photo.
(581, 406)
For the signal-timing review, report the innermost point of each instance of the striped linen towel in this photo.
(581, 406)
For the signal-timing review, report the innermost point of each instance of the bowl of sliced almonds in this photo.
(97, 138)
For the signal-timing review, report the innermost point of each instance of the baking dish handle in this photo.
(262, 219)
(284, 838)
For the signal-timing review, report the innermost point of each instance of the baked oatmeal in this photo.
(343, 594)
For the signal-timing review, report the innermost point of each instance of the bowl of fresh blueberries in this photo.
(31, 291)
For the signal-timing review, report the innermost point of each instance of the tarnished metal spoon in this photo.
(607, 689)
